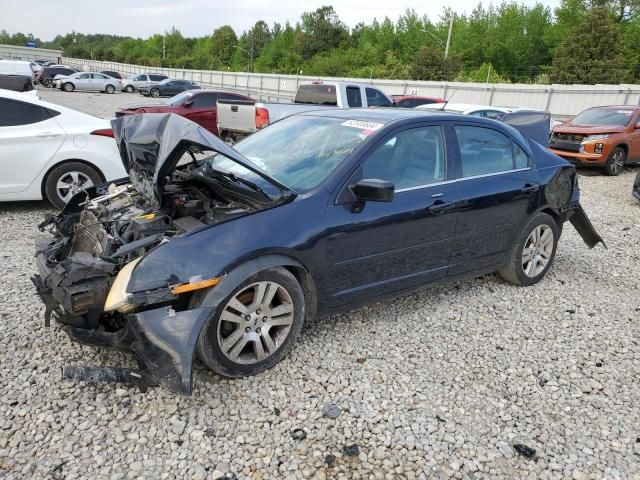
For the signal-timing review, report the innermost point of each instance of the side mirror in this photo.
(188, 103)
(373, 190)
(638, 125)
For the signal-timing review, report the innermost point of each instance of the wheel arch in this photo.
(45, 177)
(624, 147)
(250, 267)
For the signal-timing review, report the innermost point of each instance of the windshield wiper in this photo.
(234, 178)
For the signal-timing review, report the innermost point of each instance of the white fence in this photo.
(14, 52)
(558, 99)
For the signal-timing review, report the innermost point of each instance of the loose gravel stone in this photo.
(451, 381)
(331, 411)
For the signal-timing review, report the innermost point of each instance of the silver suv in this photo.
(134, 82)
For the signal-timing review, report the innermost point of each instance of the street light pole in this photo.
(446, 49)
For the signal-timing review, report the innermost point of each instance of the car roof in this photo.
(616, 107)
(383, 115)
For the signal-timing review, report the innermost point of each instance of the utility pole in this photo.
(164, 46)
(446, 49)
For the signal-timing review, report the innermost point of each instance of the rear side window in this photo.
(354, 99)
(157, 78)
(375, 98)
(84, 76)
(98, 76)
(485, 151)
(16, 113)
(66, 71)
(317, 94)
(205, 101)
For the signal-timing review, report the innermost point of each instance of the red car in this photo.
(411, 101)
(199, 106)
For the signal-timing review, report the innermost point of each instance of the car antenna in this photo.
(444, 105)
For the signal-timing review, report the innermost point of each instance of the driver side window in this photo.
(412, 158)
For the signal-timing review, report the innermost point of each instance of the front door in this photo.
(634, 139)
(497, 191)
(387, 247)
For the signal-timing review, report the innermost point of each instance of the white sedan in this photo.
(50, 151)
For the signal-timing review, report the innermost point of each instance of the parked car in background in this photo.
(607, 137)
(199, 106)
(134, 82)
(226, 258)
(243, 118)
(96, 82)
(46, 76)
(49, 151)
(36, 67)
(412, 101)
(111, 74)
(167, 88)
(482, 111)
(16, 67)
(636, 187)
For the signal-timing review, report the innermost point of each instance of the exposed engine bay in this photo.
(91, 249)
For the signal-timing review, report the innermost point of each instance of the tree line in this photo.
(581, 41)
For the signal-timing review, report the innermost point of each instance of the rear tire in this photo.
(75, 175)
(154, 92)
(109, 89)
(129, 89)
(255, 326)
(68, 87)
(615, 162)
(47, 82)
(533, 251)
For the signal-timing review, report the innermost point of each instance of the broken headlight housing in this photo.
(118, 298)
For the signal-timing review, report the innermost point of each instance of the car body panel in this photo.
(168, 87)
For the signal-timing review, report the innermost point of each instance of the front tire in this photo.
(154, 92)
(110, 89)
(533, 251)
(67, 179)
(129, 89)
(615, 162)
(47, 82)
(255, 326)
(68, 87)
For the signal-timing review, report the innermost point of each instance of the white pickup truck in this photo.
(237, 119)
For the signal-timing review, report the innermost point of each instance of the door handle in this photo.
(439, 207)
(530, 187)
(47, 134)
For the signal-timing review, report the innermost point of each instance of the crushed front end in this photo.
(88, 253)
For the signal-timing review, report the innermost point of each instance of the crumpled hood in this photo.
(148, 106)
(151, 145)
(588, 130)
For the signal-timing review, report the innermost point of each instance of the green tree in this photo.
(223, 41)
(592, 52)
(430, 64)
(320, 31)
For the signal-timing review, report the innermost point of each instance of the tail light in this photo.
(262, 117)
(103, 132)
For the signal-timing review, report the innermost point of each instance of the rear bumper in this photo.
(593, 159)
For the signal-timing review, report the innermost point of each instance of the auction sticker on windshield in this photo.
(367, 127)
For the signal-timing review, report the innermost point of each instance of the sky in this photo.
(142, 18)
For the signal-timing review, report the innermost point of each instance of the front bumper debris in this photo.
(163, 342)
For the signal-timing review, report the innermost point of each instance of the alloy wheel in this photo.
(155, 92)
(617, 163)
(255, 322)
(71, 183)
(537, 251)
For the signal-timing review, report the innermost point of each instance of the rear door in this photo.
(99, 81)
(634, 138)
(497, 191)
(387, 247)
(29, 137)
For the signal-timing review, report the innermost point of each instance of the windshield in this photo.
(177, 99)
(603, 116)
(300, 151)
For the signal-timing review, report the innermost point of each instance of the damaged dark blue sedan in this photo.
(224, 253)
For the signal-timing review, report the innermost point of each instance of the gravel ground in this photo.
(442, 383)
(100, 104)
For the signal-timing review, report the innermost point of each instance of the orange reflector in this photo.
(189, 287)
